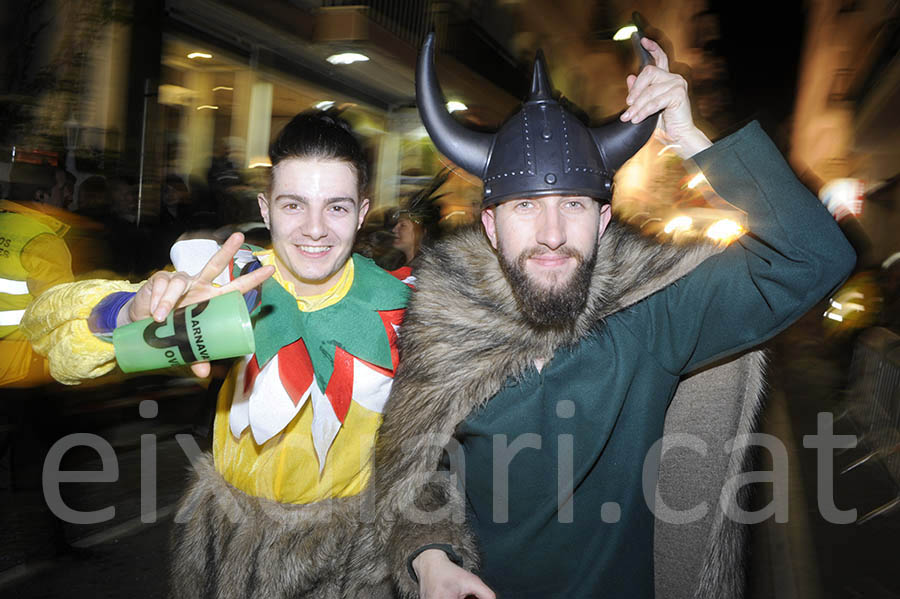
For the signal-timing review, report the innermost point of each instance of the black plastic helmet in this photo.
(543, 149)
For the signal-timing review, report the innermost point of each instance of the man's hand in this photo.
(165, 291)
(655, 89)
(439, 578)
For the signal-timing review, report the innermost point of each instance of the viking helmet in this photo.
(543, 149)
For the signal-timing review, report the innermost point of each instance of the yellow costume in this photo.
(279, 469)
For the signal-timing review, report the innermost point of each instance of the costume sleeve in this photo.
(418, 507)
(411, 538)
(56, 323)
(48, 262)
(793, 255)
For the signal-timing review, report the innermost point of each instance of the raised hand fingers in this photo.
(649, 84)
(656, 51)
(655, 98)
(245, 283)
(221, 259)
(156, 286)
(167, 290)
(649, 76)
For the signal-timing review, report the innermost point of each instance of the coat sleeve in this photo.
(793, 255)
(419, 505)
(56, 324)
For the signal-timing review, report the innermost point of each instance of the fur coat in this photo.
(464, 336)
(227, 544)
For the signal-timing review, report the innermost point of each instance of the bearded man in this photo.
(538, 360)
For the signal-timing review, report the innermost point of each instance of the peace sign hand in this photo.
(165, 291)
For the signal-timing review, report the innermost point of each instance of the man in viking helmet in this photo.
(544, 361)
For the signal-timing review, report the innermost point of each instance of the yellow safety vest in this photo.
(16, 231)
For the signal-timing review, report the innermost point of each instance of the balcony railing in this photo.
(410, 20)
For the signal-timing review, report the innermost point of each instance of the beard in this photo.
(559, 304)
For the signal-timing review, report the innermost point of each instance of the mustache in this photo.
(565, 252)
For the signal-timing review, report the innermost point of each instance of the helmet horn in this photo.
(469, 149)
(541, 89)
(619, 141)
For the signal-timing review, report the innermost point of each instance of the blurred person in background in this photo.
(41, 195)
(175, 217)
(418, 219)
(233, 198)
(33, 258)
(61, 193)
(176, 203)
(545, 353)
(295, 422)
(133, 249)
(122, 200)
(375, 239)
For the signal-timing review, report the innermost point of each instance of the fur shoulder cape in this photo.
(463, 336)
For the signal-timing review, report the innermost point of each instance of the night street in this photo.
(494, 299)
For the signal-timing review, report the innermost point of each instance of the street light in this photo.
(347, 58)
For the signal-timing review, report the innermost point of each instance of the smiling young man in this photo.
(272, 511)
(539, 359)
(313, 232)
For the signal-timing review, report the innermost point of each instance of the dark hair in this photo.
(322, 135)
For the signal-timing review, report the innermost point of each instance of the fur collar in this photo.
(461, 288)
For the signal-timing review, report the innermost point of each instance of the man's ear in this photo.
(363, 211)
(605, 217)
(263, 208)
(489, 222)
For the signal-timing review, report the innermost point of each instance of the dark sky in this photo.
(762, 42)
